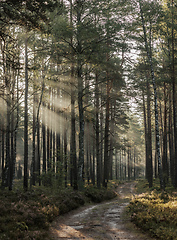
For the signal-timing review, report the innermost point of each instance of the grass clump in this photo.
(155, 211)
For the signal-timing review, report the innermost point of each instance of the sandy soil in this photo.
(99, 222)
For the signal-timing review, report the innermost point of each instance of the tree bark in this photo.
(80, 99)
(106, 137)
(97, 132)
(171, 137)
(25, 183)
(165, 166)
(149, 139)
(174, 94)
(44, 143)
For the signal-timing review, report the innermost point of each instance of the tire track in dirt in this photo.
(98, 222)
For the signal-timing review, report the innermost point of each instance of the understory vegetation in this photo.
(27, 215)
(155, 211)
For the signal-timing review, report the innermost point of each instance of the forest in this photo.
(87, 92)
(88, 102)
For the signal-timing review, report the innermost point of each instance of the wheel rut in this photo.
(98, 222)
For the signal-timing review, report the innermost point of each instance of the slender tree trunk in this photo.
(2, 150)
(128, 162)
(34, 138)
(12, 160)
(51, 144)
(87, 150)
(101, 136)
(106, 137)
(171, 137)
(58, 147)
(38, 154)
(174, 93)
(65, 154)
(73, 157)
(120, 164)
(149, 139)
(3, 120)
(48, 137)
(80, 100)
(58, 144)
(97, 132)
(164, 156)
(8, 156)
(125, 166)
(17, 124)
(111, 142)
(25, 183)
(134, 161)
(44, 142)
(116, 165)
(145, 131)
(54, 132)
(93, 168)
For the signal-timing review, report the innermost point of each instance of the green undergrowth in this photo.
(27, 215)
(155, 211)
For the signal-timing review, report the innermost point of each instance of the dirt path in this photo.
(98, 222)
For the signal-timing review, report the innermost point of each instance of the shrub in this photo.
(155, 212)
(98, 195)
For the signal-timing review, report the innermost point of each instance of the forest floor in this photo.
(107, 220)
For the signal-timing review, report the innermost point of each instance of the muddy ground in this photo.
(102, 221)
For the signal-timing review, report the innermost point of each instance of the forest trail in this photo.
(98, 222)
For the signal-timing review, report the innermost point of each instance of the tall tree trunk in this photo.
(17, 124)
(111, 141)
(2, 151)
(97, 132)
(93, 168)
(149, 170)
(7, 97)
(54, 131)
(48, 136)
(165, 166)
(34, 138)
(174, 93)
(120, 165)
(58, 144)
(116, 165)
(44, 142)
(25, 183)
(65, 153)
(80, 99)
(134, 163)
(128, 162)
(145, 132)
(101, 135)
(73, 157)
(12, 158)
(8, 156)
(38, 154)
(106, 136)
(171, 137)
(87, 153)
